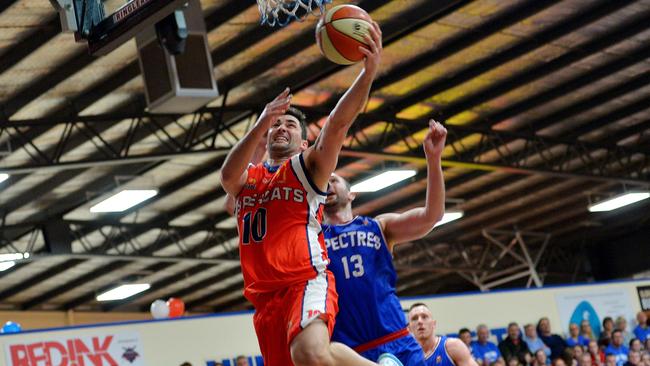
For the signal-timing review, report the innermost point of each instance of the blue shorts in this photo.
(406, 349)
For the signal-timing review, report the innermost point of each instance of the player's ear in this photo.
(352, 196)
(304, 145)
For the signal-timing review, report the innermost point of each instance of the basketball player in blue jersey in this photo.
(438, 350)
(370, 318)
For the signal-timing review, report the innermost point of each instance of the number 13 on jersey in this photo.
(355, 261)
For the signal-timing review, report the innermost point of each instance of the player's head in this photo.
(339, 196)
(421, 322)
(288, 135)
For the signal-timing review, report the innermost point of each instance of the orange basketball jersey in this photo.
(279, 211)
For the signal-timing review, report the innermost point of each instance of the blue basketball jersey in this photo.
(365, 281)
(440, 357)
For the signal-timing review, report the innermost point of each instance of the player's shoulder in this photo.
(455, 346)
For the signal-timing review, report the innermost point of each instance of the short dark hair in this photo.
(607, 319)
(616, 331)
(418, 304)
(513, 324)
(302, 119)
(464, 330)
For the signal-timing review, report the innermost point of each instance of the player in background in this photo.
(438, 350)
(370, 318)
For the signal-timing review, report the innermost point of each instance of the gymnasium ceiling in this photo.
(547, 105)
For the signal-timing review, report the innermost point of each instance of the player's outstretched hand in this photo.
(276, 108)
(434, 142)
(374, 50)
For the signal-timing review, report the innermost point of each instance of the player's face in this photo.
(338, 194)
(421, 323)
(285, 137)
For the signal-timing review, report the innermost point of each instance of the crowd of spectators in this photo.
(539, 346)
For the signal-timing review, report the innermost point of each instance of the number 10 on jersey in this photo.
(254, 224)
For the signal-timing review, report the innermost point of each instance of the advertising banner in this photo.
(100, 349)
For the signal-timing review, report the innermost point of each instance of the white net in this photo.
(282, 12)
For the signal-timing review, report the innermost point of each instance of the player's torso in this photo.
(365, 282)
(439, 356)
(278, 220)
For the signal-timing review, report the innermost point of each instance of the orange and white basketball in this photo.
(341, 31)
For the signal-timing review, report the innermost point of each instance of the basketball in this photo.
(340, 33)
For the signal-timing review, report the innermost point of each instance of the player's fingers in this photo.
(375, 26)
(365, 51)
(371, 44)
(374, 35)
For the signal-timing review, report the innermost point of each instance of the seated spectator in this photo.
(514, 361)
(597, 356)
(466, 337)
(484, 351)
(559, 362)
(514, 346)
(642, 331)
(574, 337)
(540, 358)
(606, 334)
(585, 360)
(621, 324)
(617, 348)
(241, 361)
(578, 351)
(568, 356)
(610, 360)
(633, 359)
(533, 341)
(635, 345)
(586, 331)
(553, 341)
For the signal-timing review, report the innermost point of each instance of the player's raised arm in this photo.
(417, 222)
(322, 157)
(257, 157)
(459, 352)
(233, 172)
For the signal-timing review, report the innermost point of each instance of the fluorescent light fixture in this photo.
(124, 291)
(382, 180)
(13, 256)
(3, 177)
(6, 265)
(619, 201)
(449, 216)
(124, 200)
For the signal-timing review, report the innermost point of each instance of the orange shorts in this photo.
(281, 315)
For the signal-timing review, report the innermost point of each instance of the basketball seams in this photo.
(334, 28)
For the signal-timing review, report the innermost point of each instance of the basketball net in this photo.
(282, 12)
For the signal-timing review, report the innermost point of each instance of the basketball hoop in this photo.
(282, 12)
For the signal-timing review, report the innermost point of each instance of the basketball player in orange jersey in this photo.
(279, 211)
